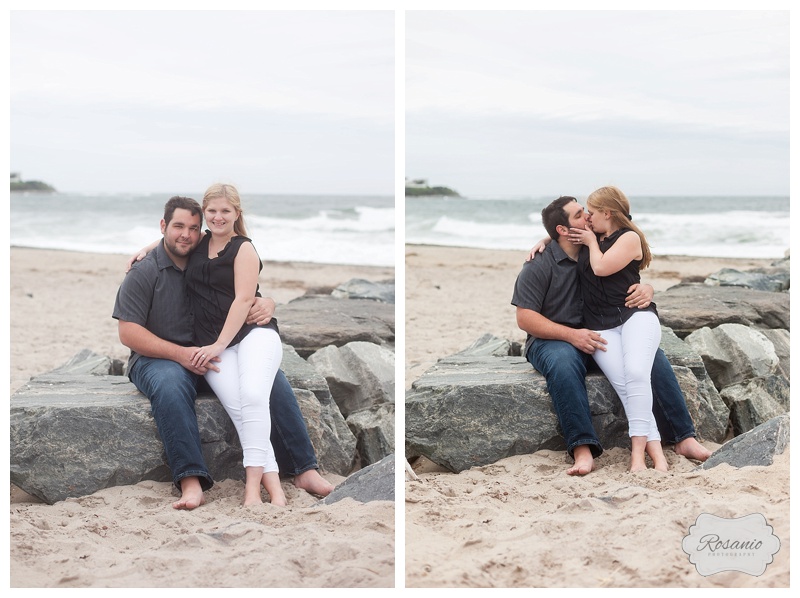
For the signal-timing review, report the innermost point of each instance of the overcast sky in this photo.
(546, 102)
(275, 102)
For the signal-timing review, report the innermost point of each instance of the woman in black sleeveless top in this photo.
(614, 252)
(222, 278)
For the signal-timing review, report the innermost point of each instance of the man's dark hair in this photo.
(555, 215)
(186, 203)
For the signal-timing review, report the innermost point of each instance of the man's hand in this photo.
(639, 295)
(262, 311)
(588, 341)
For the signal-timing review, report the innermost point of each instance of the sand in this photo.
(129, 536)
(522, 522)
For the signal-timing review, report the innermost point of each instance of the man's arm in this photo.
(262, 311)
(537, 325)
(142, 341)
(639, 295)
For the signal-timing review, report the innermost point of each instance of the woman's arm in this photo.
(627, 248)
(245, 278)
(140, 255)
(538, 248)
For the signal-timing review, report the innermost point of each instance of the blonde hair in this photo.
(229, 193)
(612, 200)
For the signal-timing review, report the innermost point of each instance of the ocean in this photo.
(353, 230)
(740, 227)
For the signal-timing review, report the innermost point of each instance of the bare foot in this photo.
(691, 449)
(272, 484)
(584, 462)
(312, 482)
(191, 494)
(656, 452)
(638, 447)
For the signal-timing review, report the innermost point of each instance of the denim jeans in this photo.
(172, 390)
(293, 449)
(669, 404)
(564, 368)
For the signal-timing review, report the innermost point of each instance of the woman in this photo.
(615, 251)
(222, 277)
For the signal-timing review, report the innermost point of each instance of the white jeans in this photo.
(627, 364)
(243, 386)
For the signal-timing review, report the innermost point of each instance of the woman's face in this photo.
(220, 216)
(596, 220)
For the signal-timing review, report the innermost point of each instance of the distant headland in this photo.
(417, 187)
(17, 184)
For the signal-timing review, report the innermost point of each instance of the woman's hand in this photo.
(538, 248)
(580, 236)
(136, 258)
(203, 355)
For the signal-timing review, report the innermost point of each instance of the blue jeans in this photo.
(172, 390)
(564, 368)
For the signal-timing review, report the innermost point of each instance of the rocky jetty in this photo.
(727, 340)
(84, 426)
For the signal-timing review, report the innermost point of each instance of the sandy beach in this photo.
(522, 522)
(129, 536)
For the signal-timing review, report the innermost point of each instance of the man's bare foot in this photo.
(312, 482)
(191, 494)
(691, 449)
(584, 462)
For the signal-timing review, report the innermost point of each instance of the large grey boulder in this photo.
(474, 410)
(374, 431)
(358, 288)
(761, 279)
(756, 447)
(781, 343)
(310, 323)
(690, 306)
(358, 374)
(733, 353)
(374, 482)
(73, 434)
(756, 401)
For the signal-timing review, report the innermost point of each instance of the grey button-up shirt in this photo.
(153, 295)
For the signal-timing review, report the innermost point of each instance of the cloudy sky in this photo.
(547, 102)
(275, 102)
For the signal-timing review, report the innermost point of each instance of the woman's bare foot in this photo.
(252, 486)
(584, 462)
(638, 444)
(312, 482)
(656, 452)
(272, 484)
(692, 449)
(191, 494)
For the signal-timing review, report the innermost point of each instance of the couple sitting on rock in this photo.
(189, 311)
(582, 300)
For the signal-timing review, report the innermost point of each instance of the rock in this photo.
(761, 279)
(73, 434)
(374, 482)
(780, 341)
(88, 362)
(489, 344)
(358, 374)
(688, 307)
(334, 443)
(756, 401)
(757, 447)
(467, 411)
(358, 288)
(733, 353)
(310, 323)
(374, 430)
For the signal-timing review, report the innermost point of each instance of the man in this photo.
(549, 306)
(155, 322)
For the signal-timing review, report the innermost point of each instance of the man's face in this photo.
(577, 217)
(182, 234)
